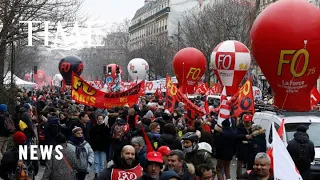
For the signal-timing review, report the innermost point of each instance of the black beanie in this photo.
(61, 138)
(302, 128)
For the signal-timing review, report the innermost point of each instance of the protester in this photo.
(301, 149)
(61, 169)
(261, 169)
(10, 160)
(204, 172)
(153, 167)
(83, 152)
(100, 138)
(176, 162)
(124, 161)
(141, 149)
(4, 131)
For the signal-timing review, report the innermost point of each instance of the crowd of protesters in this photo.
(145, 141)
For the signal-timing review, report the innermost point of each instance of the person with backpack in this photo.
(61, 169)
(301, 149)
(83, 151)
(7, 127)
(13, 168)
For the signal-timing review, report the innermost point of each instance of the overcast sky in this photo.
(111, 11)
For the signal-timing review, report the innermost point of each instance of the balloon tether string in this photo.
(290, 83)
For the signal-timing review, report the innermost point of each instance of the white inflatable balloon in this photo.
(56, 80)
(257, 93)
(138, 69)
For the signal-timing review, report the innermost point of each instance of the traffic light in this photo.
(35, 69)
(109, 70)
(104, 69)
(118, 69)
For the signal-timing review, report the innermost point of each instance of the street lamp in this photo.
(13, 45)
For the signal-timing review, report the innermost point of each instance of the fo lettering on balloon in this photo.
(189, 65)
(230, 61)
(285, 43)
(70, 64)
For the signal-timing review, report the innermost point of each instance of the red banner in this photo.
(315, 97)
(174, 96)
(84, 93)
(243, 100)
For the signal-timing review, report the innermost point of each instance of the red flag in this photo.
(315, 97)
(146, 140)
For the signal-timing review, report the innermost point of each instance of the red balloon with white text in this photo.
(285, 43)
(230, 62)
(189, 65)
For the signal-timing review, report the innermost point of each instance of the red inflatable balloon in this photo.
(39, 77)
(189, 64)
(285, 42)
(27, 77)
(230, 62)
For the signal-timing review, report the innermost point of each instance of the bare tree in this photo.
(158, 51)
(115, 50)
(14, 11)
(217, 22)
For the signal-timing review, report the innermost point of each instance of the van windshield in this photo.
(313, 131)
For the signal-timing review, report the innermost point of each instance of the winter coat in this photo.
(197, 157)
(100, 137)
(225, 148)
(25, 117)
(294, 148)
(242, 149)
(170, 140)
(66, 126)
(154, 138)
(89, 152)
(186, 174)
(142, 157)
(251, 175)
(3, 131)
(9, 163)
(58, 169)
(51, 129)
(257, 144)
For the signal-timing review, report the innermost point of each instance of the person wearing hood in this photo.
(257, 144)
(169, 137)
(25, 112)
(141, 149)
(125, 164)
(192, 153)
(153, 167)
(170, 175)
(77, 143)
(100, 138)
(176, 162)
(301, 149)
(51, 129)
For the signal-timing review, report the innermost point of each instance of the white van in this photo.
(291, 121)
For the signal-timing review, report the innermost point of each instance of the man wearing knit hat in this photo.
(301, 149)
(11, 158)
(154, 165)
